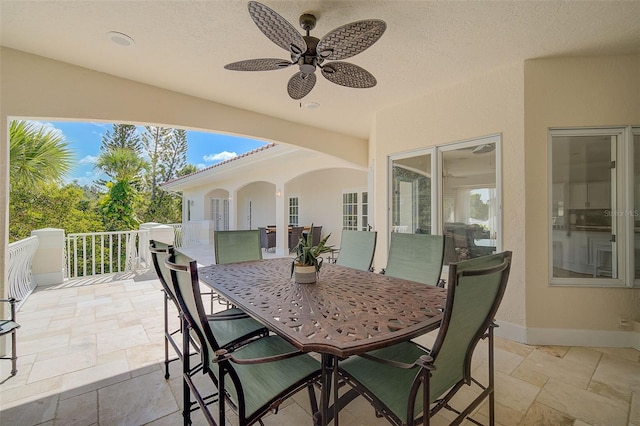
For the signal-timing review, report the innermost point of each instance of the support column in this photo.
(48, 262)
(282, 221)
(233, 208)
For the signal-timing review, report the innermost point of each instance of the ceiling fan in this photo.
(311, 53)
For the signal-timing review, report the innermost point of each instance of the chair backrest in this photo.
(416, 257)
(294, 236)
(263, 237)
(316, 234)
(159, 252)
(474, 292)
(186, 287)
(237, 246)
(357, 249)
(184, 275)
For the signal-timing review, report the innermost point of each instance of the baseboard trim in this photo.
(569, 337)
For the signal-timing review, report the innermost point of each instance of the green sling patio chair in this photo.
(236, 246)
(415, 257)
(397, 379)
(234, 326)
(357, 249)
(256, 377)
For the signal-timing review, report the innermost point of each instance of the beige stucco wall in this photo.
(571, 92)
(487, 105)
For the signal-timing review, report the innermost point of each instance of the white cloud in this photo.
(201, 166)
(89, 159)
(48, 127)
(221, 156)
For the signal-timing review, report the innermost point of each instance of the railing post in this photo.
(48, 262)
(161, 233)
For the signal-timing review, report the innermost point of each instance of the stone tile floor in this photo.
(90, 353)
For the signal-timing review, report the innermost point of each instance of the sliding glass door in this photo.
(462, 202)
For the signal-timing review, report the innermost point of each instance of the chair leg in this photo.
(166, 339)
(14, 355)
(186, 366)
(491, 379)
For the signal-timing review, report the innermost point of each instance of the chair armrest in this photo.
(223, 354)
(225, 317)
(425, 361)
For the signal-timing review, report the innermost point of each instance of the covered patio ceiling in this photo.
(183, 46)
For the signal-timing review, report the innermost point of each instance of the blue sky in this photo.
(205, 149)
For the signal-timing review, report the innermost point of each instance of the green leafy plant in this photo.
(309, 255)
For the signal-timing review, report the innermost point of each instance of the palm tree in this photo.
(36, 155)
(118, 206)
(121, 165)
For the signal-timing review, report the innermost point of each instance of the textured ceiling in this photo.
(183, 46)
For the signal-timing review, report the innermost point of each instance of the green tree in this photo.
(36, 155)
(167, 153)
(187, 170)
(118, 206)
(51, 206)
(479, 209)
(122, 136)
(122, 164)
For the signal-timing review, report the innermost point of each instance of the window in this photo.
(594, 206)
(451, 190)
(355, 210)
(294, 211)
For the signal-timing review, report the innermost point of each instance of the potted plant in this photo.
(307, 263)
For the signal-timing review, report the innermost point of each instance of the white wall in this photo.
(320, 197)
(263, 208)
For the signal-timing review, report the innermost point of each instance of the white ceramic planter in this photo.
(304, 274)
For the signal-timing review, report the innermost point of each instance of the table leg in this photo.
(329, 369)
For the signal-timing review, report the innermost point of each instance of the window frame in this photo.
(295, 207)
(437, 198)
(622, 187)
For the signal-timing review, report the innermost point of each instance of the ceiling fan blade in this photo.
(348, 75)
(351, 39)
(276, 28)
(262, 64)
(300, 85)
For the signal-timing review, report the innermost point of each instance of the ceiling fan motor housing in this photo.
(308, 61)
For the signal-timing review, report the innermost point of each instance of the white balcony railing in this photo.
(20, 278)
(104, 253)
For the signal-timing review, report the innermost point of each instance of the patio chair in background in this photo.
(406, 382)
(267, 239)
(316, 232)
(294, 236)
(357, 249)
(10, 326)
(236, 246)
(415, 257)
(235, 325)
(254, 378)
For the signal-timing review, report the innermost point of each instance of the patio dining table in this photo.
(346, 312)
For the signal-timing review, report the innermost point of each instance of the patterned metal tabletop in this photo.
(345, 312)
